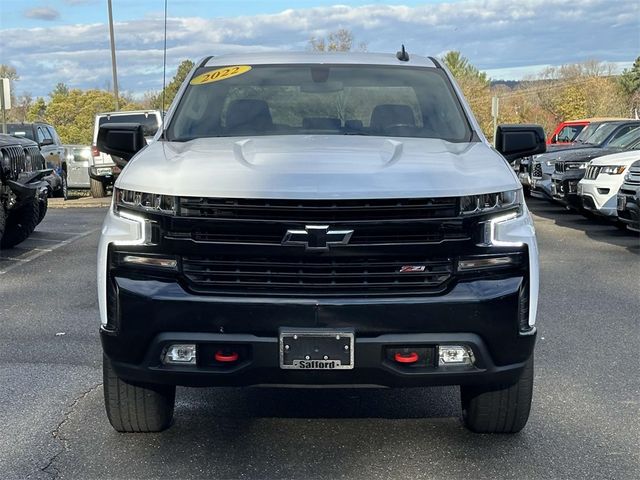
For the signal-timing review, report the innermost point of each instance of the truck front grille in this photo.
(241, 246)
(592, 172)
(316, 276)
(23, 159)
(318, 210)
(634, 176)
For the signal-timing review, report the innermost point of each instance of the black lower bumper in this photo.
(630, 214)
(259, 365)
(483, 315)
(565, 191)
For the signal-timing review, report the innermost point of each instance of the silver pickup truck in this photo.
(104, 169)
(318, 219)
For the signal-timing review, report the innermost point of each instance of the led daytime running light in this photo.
(145, 202)
(490, 202)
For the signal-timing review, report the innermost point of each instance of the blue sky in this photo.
(29, 14)
(51, 41)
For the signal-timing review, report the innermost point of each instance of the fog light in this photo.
(161, 262)
(180, 354)
(454, 355)
(488, 262)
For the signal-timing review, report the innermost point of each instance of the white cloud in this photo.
(42, 13)
(496, 35)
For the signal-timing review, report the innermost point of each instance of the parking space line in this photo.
(43, 251)
(38, 239)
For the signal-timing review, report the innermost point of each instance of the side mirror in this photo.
(554, 139)
(46, 142)
(517, 141)
(122, 140)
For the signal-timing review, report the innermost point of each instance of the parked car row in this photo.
(82, 166)
(590, 174)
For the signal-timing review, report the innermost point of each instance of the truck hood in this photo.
(317, 166)
(575, 155)
(622, 158)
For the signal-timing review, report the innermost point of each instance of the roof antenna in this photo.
(164, 66)
(402, 55)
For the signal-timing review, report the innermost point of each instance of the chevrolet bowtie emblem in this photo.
(317, 237)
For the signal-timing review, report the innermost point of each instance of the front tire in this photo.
(63, 191)
(43, 207)
(21, 223)
(98, 189)
(499, 410)
(136, 408)
(3, 220)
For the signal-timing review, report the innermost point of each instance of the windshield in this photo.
(569, 133)
(79, 154)
(319, 99)
(587, 132)
(149, 121)
(18, 130)
(627, 139)
(601, 133)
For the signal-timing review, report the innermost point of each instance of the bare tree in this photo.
(340, 40)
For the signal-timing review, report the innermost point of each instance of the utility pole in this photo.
(5, 98)
(495, 110)
(113, 57)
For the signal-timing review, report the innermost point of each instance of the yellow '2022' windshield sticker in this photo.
(220, 74)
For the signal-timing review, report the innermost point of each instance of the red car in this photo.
(566, 132)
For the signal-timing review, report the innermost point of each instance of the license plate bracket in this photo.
(316, 349)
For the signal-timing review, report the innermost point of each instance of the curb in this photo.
(80, 203)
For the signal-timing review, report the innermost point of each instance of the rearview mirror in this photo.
(517, 141)
(325, 87)
(122, 140)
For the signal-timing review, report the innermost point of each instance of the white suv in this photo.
(602, 180)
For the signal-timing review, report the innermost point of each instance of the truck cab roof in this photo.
(347, 58)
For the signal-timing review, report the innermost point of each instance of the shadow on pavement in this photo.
(323, 403)
(598, 229)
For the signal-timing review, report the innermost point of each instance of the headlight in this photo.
(613, 169)
(6, 162)
(144, 202)
(549, 163)
(582, 166)
(491, 202)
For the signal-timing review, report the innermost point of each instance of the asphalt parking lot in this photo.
(584, 422)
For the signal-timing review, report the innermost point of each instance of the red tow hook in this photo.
(410, 357)
(223, 357)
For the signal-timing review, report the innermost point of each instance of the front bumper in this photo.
(630, 213)
(541, 187)
(564, 188)
(599, 195)
(481, 314)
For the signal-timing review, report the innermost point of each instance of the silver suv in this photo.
(318, 219)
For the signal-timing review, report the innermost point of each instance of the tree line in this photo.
(588, 89)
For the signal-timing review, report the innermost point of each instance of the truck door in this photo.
(50, 151)
(78, 166)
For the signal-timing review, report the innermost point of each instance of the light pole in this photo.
(113, 56)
